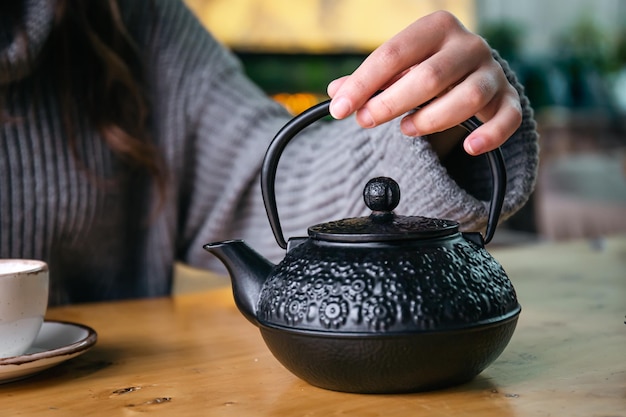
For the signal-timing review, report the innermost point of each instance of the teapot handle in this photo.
(304, 119)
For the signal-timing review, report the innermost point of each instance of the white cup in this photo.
(23, 303)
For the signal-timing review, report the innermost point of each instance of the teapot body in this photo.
(437, 284)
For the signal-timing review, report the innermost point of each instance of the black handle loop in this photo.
(295, 125)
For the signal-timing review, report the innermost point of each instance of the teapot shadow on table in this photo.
(378, 304)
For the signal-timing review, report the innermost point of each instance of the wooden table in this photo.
(195, 355)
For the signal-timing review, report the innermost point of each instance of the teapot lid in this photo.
(382, 195)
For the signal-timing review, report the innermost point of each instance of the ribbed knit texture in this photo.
(102, 238)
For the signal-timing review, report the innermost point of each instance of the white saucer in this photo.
(57, 342)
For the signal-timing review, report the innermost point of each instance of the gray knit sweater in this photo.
(103, 240)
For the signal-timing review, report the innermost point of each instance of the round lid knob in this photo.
(381, 194)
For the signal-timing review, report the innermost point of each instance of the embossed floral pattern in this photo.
(296, 308)
(379, 312)
(389, 288)
(333, 312)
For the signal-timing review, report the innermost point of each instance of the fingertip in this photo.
(408, 128)
(340, 108)
(364, 118)
(332, 88)
(475, 145)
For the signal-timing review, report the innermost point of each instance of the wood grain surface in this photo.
(195, 355)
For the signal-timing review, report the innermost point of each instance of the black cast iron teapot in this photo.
(378, 304)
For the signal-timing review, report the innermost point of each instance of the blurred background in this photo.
(569, 54)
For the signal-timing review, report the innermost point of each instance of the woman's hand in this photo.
(435, 58)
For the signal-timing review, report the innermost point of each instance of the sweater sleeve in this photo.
(229, 123)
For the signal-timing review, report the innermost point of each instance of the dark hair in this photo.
(94, 63)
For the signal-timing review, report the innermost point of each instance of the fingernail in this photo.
(331, 86)
(365, 118)
(408, 128)
(340, 108)
(475, 146)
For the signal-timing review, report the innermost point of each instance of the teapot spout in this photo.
(248, 271)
